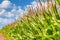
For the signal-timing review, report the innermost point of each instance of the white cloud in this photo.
(6, 21)
(5, 0)
(5, 4)
(9, 14)
(2, 11)
(7, 17)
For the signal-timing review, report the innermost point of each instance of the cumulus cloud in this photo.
(7, 17)
(9, 14)
(4, 22)
(5, 4)
(2, 11)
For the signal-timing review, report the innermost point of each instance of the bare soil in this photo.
(2, 36)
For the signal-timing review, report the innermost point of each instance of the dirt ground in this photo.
(2, 37)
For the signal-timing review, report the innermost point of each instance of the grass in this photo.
(58, 1)
(43, 26)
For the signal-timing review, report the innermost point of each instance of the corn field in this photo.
(45, 25)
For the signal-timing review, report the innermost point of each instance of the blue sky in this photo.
(11, 9)
(21, 3)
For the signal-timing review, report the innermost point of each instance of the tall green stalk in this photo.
(40, 27)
